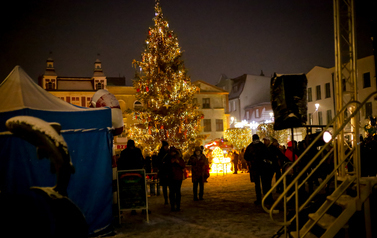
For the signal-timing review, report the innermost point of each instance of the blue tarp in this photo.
(89, 139)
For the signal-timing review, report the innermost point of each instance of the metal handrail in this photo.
(294, 182)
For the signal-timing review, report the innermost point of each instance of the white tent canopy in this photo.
(19, 91)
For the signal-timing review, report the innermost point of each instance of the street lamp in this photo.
(316, 110)
(327, 136)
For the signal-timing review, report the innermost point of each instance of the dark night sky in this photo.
(232, 37)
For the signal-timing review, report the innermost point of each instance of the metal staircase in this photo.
(346, 192)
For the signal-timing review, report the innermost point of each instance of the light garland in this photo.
(239, 137)
(267, 129)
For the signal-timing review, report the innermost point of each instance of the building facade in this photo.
(76, 90)
(213, 103)
(249, 98)
(321, 100)
(212, 100)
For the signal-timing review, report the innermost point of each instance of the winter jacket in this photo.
(162, 168)
(174, 168)
(258, 157)
(130, 159)
(199, 167)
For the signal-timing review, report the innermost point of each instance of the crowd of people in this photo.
(170, 166)
(262, 160)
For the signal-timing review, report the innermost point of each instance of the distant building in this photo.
(321, 92)
(76, 90)
(213, 103)
(249, 98)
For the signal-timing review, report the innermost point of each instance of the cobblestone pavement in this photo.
(226, 211)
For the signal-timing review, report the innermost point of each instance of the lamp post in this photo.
(316, 111)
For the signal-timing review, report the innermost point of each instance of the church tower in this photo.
(49, 78)
(99, 77)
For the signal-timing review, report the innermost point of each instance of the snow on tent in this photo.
(89, 139)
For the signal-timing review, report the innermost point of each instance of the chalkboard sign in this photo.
(132, 190)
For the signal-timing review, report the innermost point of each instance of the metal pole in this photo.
(285, 206)
(297, 210)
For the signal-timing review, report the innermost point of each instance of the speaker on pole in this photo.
(288, 100)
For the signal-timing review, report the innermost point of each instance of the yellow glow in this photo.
(220, 164)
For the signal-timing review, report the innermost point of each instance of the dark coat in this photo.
(174, 167)
(258, 157)
(162, 167)
(199, 167)
(130, 158)
(277, 157)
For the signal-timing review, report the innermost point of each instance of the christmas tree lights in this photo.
(267, 129)
(239, 137)
(165, 89)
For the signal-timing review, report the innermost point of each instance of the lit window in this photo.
(366, 78)
(320, 122)
(329, 116)
(318, 89)
(309, 94)
(137, 105)
(368, 109)
(328, 92)
(310, 119)
(219, 125)
(207, 125)
(206, 103)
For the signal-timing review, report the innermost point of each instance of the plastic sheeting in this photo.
(288, 100)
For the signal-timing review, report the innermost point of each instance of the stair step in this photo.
(308, 235)
(347, 181)
(325, 221)
(343, 201)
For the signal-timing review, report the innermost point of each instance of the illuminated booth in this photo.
(220, 164)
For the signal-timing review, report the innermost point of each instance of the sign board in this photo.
(132, 191)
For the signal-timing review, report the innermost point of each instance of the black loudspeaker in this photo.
(288, 100)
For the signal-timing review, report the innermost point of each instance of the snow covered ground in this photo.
(227, 210)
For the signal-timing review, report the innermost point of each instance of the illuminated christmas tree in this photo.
(166, 92)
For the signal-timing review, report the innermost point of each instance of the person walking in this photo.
(130, 158)
(174, 167)
(261, 169)
(281, 159)
(199, 162)
(276, 156)
(235, 162)
(162, 170)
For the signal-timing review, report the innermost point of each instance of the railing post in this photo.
(285, 205)
(297, 210)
